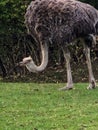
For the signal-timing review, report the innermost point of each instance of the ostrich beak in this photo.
(25, 61)
(21, 63)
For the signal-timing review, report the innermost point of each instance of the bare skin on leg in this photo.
(69, 75)
(92, 82)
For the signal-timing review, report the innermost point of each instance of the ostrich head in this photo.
(26, 61)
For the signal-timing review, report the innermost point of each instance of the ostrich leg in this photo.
(69, 75)
(92, 82)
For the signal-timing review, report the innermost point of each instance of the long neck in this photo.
(32, 67)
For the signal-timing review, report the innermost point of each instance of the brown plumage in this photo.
(60, 20)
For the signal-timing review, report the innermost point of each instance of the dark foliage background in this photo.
(16, 44)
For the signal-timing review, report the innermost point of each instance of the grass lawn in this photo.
(31, 106)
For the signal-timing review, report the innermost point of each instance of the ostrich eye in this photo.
(29, 60)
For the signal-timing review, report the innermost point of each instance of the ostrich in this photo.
(61, 22)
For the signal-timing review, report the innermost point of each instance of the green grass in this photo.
(29, 106)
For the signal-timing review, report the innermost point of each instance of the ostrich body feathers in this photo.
(60, 21)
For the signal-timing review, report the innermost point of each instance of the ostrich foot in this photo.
(68, 87)
(92, 85)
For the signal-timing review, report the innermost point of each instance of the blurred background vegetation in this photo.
(16, 44)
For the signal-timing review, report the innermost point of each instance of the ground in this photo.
(33, 106)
